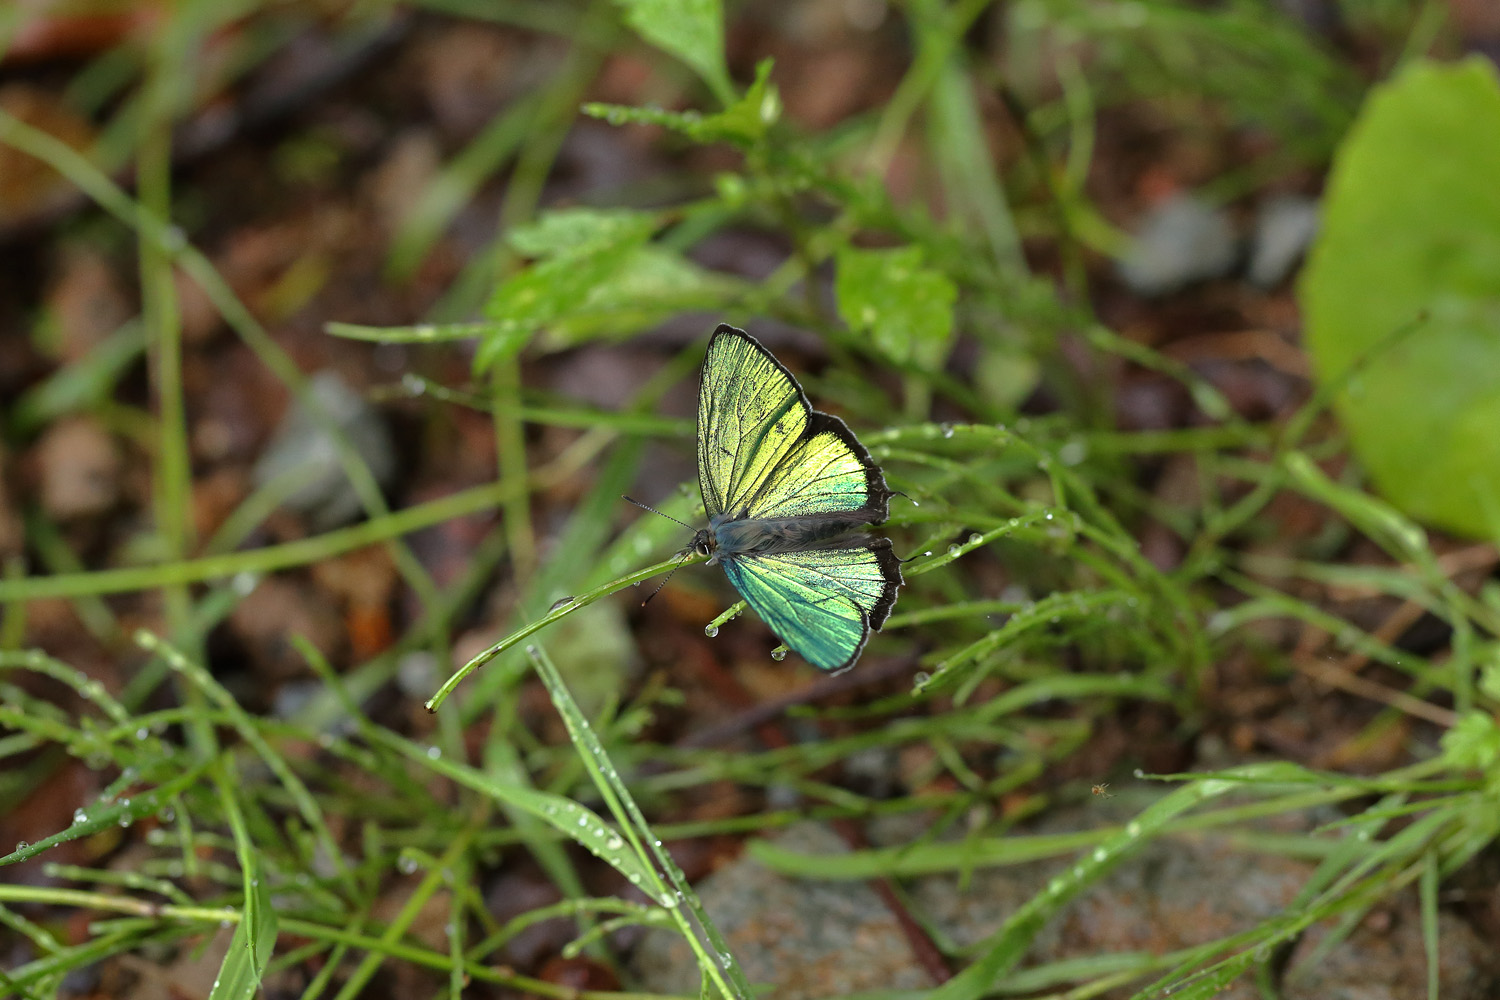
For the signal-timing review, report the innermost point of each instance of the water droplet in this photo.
(947, 430)
(614, 844)
(710, 630)
(560, 603)
(142, 733)
(406, 865)
(433, 753)
(79, 816)
(1139, 773)
(975, 538)
(1132, 829)
(21, 845)
(920, 678)
(779, 653)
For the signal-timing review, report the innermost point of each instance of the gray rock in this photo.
(1180, 241)
(303, 463)
(809, 939)
(1284, 227)
(821, 939)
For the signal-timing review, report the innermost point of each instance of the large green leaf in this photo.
(1401, 296)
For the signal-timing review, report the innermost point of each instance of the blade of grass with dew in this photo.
(575, 822)
(255, 934)
(665, 880)
(249, 730)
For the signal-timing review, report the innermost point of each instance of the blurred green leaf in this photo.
(1473, 742)
(691, 30)
(577, 251)
(1412, 235)
(743, 123)
(579, 231)
(905, 306)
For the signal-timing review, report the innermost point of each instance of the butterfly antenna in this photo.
(647, 506)
(669, 572)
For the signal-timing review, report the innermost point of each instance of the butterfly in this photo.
(787, 488)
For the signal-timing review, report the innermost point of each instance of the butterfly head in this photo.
(705, 544)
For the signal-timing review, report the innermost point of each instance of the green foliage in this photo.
(320, 811)
(691, 30)
(905, 307)
(743, 123)
(1402, 294)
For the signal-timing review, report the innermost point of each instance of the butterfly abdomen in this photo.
(760, 536)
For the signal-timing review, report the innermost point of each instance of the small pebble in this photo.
(1284, 228)
(303, 453)
(1180, 241)
(80, 468)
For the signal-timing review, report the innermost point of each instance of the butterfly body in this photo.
(788, 489)
(727, 537)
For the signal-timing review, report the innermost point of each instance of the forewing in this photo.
(751, 414)
(828, 472)
(764, 452)
(821, 602)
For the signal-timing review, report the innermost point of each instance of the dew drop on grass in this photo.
(975, 538)
(710, 630)
(79, 816)
(560, 603)
(778, 654)
(954, 550)
(433, 753)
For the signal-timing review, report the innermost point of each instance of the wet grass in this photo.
(282, 838)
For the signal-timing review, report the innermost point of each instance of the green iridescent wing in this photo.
(821, 602)
(764, 452)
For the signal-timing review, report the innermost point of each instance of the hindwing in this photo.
(821, 602)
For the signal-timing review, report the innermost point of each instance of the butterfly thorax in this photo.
(727, 536)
